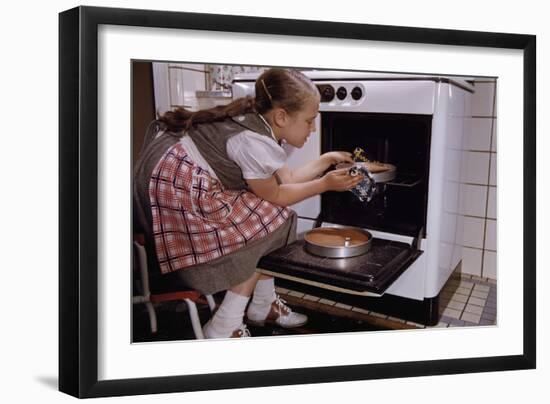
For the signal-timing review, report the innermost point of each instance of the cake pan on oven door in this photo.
(338, 242)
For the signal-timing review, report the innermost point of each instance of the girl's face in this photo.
(299, 125)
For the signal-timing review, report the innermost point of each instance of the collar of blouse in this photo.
(279, 142)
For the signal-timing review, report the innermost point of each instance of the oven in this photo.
(417, 124)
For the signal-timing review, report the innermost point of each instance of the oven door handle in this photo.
(417, 240)
(318, 221)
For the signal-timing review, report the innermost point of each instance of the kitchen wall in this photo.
(479, 184)
(220, 76)
(177, 84)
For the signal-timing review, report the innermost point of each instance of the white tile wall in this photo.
(475, 167)
(474, 229)
(495, 107)
(491, 235)
(478, 188)
(479, 137)
(474, 197)
(493, 170)
(483, 99)
(492, 203)
(494, 136)
(490, 264)
(471, 261)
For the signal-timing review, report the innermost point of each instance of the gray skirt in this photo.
(230, 270)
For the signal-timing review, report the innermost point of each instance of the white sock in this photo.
(229, 315)
(264, 292)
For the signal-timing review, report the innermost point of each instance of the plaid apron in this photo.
(196, 220)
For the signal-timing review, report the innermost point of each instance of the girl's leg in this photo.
(267, 307)
(245, 288)
(228, 319)
(264, 290)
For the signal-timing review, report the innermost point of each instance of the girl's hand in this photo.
(336, 157)
(340, 180)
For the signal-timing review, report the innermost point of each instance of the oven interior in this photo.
(399, 206)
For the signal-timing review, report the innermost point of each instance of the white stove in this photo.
(415, 122)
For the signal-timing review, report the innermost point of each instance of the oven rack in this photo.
(405, 180)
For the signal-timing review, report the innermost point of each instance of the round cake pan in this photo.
(338, 242)
(385, 176)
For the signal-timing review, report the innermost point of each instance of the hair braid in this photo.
(183, 119)
(276, 87)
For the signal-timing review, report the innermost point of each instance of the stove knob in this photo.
(341, 93)
(326, 92)
(356, 93)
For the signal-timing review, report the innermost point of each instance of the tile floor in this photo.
(469, 300)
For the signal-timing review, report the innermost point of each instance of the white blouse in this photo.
(258, 156)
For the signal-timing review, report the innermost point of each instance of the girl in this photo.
(212, 190)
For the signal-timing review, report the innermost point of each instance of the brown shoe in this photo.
(241, 332)
(279, 314)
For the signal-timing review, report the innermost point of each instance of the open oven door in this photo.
(370, 274)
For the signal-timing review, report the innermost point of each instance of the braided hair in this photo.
(285, 88)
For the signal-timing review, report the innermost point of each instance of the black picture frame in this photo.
(78, 196)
